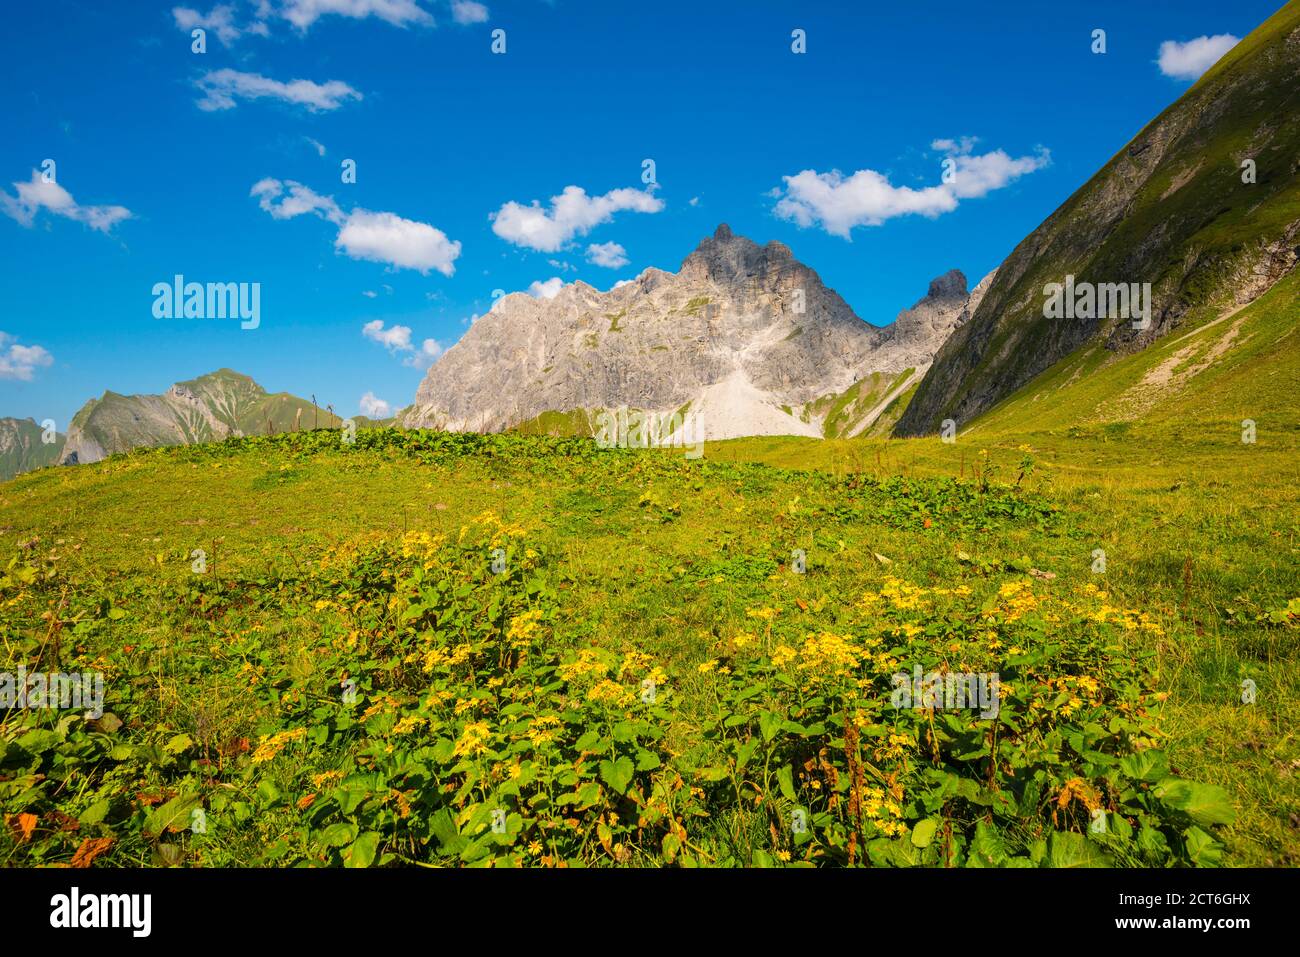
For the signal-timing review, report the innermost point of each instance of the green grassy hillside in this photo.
(1174, 208)
(376, 653)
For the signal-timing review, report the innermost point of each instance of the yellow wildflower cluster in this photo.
(609, 693)
(1017, 600)
(903, 595)
(876, 804)
(326, 777)
(421, 545)
(541, 730)
(894, 746)
(385, 704)
(253, 672)
(1128, 619)
(523, 628)
(1079, 688)
(473, 739)
(441, 657)
(497, 529)
(828, 652)
(270, 745)
(590, 664)
(409, 723)
(346, 553)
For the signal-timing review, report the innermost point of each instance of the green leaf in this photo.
(362, 851)
(986, 848)
(174, 815)
(1203, 803)
(923, 832)
(617, 774)
(785, 778)
(1068, 849)
(1202, 849)
(96, 812)
(672, 844)
(646, 760)
(338, 834)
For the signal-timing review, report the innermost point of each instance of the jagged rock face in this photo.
(22, 447)
(739, 332)
(209, 408)
(1177, 208)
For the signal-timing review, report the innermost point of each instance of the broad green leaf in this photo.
(362, 851)
(174, 815)
(1203, 803)
(617, 774)
(923, 832)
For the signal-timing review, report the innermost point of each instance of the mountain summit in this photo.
(744, 335)
(207, 409)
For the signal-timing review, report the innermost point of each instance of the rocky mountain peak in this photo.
(745, 335)
(951, 285)
(726, 257)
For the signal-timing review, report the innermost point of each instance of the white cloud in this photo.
(300, 199)
(425, 356)
(467, 11)
(1187, 61)
(572, 213)
(621, 282)
(221, 21)
(363, 234)
(33, 196)
(404, 243)
(369, 293)
(374, 407)
(20, 362)
(546, 290)
(693, 201)
(400, 13)
(609, 255)
(395, 338)
(317, 145)
(867, 198)
(221, 88)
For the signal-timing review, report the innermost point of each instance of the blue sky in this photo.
(170, 161)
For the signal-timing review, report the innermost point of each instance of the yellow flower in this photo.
(270, 745)
(473, 740)
(524, 627)
(609, 692)
(782, 655)
(708, 666)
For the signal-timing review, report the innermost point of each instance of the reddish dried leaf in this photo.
(25, 824)
(91, 848)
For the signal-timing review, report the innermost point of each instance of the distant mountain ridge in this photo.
(23, 447)
(744, 335)
(210, 408)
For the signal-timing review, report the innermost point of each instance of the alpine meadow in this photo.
(649, 544)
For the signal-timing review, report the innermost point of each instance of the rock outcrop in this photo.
(744, 335)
